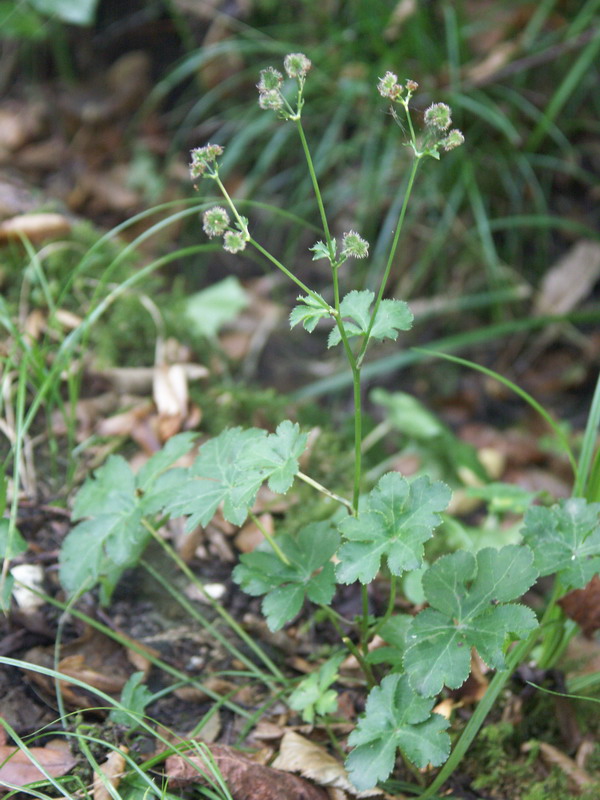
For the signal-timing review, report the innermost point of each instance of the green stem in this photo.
(390, 261)
(231, 204)
(349, 644)
(277, 550)
(390, 607)
(324, 490)
(357, 438)
(315, 183)
(290, 275)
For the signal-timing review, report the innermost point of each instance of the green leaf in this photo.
(461, 617)
(231, 468)
(134, 696)
(309, 313)
(172, 451)
(398, 518)
(216, 477)
(395, 718)
(565, 540)
(277, 456)
(392, 316)
(309, 574)
(10, 546)
(207, 311)
(394, 632)
(112, 490)
(321, 250)
(503, 498)
(313, 696)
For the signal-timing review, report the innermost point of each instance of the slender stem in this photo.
(357, 437)
(360, 657)
(278, 551)
(231, 204)
(323, 489)
(315, 183)
(291, 275)
(390, 607)
(364, 623)
(388, 267)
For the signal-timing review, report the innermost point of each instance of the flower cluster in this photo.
(389, 87)
(204, 160)
(437, 118)
(270, 97)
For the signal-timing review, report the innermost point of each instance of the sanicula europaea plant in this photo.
(472, 598)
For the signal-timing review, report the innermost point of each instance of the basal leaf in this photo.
(565, 540)
(309, 313)
(277, 456)
(395, 718)
(112, 488)
(172, 451)
(398, 518)
(465, 593)
(216, 477)
(312, 695)
(230, 469)
(309, 574)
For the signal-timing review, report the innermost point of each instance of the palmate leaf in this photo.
(395, 718)
(440, 638)
(230, 470)
(398, 517)
(308, 575)
(309, 313)
(313, 696)
(565, 540)
(114, 500)
(355, 309)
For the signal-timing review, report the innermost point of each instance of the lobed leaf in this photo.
(285, 586)
(398, 518)
(230, 469)
(565, 540)
(355, 309)
(395, 718)
(461, 617)
(308, 314)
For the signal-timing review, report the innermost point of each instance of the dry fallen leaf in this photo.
(245, 779)
(17, 769)
(113, 770)
(583, 606)
(35, 227)
(570, 280)
(297, 754)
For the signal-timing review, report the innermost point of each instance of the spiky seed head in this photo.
(270, 78)
(270, 100)
(354, 246)
(215, 221)
(454, 139)
(296, 65)
(234, 242)
(438, 116)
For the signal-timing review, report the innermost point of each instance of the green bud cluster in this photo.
(270, 96)
(204, 160)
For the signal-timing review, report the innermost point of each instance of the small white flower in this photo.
(354, 246)
(296, 65)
